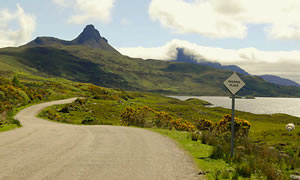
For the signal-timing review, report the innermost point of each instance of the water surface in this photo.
(259, 105)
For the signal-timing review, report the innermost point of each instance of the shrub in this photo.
(16, 81)
(162, 119)
(2, 95)
(244, 169)
(241, 126)
(89, 120)
(204, 124)
(137, 117)
(182, 125)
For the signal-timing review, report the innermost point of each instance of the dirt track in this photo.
(46, 150)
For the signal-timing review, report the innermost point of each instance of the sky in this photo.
(260, 36)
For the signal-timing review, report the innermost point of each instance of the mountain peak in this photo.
(89, 33)
(91, 37)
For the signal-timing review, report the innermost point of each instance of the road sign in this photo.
(234, 83)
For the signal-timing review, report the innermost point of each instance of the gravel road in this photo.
(46, 150)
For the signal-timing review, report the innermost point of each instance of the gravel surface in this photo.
(46, 150)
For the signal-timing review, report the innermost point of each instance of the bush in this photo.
(204, 124)
(182, 125)
(241, 126)
(162, 119)
(244, 169)
(89, 120)
(137, 117)
(2, 95)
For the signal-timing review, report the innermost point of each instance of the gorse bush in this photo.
(241, 126)
(204, 124)
(182, 125)
(13, 94)
(147, 117)
(137, 117)
(162, 119)
(249, 158)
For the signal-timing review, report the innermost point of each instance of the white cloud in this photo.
(62, 3)
(282, 63)
(228, 18)
(86, 10)
(26, 22)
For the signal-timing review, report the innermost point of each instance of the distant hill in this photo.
(90, 37)
(280, 81)
(89, 58)
(188, 58)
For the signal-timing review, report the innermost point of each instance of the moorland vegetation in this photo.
(263, 149)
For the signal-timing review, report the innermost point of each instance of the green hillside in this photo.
(89, 58)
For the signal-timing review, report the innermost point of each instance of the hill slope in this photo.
(280, 81)
(91, 61)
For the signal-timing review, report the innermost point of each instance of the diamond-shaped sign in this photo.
(234, 83)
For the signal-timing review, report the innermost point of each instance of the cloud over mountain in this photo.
(15, 37)
(281, 63)
(228, 19)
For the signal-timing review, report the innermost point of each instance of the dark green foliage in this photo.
(16, 81)
(89, 120)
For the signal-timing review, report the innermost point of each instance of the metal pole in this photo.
(232, 125)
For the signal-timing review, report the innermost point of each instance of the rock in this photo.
(271, 148)
(196, 135)
(202, 173)
(295, 177)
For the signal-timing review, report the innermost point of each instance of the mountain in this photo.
(90, 37)
(89, 58)
(280, 81)
(188, 58)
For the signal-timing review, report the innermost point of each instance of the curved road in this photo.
(46, 150)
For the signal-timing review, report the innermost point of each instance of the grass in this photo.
(266, 129)
(8, 127)
(28, 90)
(199, 152)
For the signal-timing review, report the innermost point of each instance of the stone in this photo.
(295, 177)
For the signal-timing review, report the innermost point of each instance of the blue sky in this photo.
(261, 36)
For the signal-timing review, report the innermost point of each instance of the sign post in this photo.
(233, 84)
